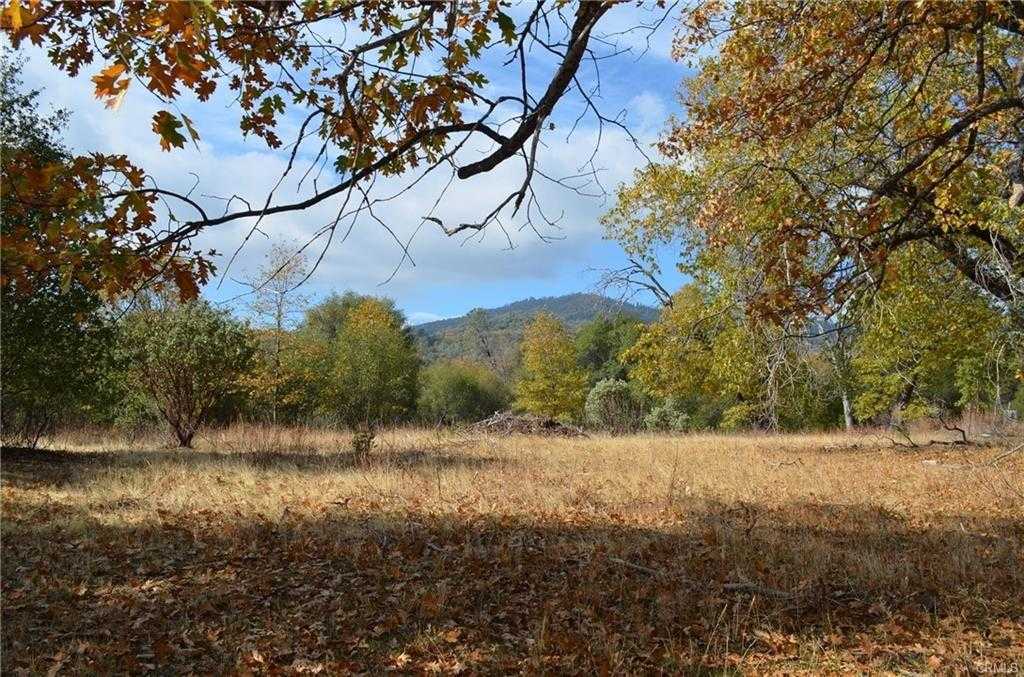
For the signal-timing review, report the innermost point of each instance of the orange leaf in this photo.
(110, 86)
(187, 287)
(13, 15)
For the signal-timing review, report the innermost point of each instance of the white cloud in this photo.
(419, 317)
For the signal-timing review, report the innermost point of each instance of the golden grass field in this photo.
(276, 551)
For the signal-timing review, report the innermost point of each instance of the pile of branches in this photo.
(507, 423)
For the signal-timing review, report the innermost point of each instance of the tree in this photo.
(54, 332)
(921, 337)
(456, 391)
(187, 357)
(374, 371)
(325, 320)
(550, 383)
(56, 354)
(600, 343)
(405, 97)
(328, 369)
(697, 353)
(275, 301)
(824, 139)
(726, 367)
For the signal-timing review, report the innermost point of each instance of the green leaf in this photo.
(167, 127)
(507, 26)
(191, 130)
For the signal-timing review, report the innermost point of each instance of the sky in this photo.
(447, 277)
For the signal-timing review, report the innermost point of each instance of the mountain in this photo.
(572, 309)
(492, 335)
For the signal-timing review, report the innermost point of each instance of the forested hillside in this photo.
(492, 335)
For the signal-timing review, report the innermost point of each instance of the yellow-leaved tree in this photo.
(375, 369)
(550, 383)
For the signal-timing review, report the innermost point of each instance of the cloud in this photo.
(420, 317)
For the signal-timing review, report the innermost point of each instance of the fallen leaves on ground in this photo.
(362, 586)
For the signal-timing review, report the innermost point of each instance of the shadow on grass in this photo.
(832, 587)
(46, 467)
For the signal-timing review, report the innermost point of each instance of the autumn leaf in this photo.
(110, 86)
(160, 79)
(508, 27)
(193, 134)
(13, 15)
(187, 287)
(167, 126)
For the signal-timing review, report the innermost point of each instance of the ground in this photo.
(278, 551)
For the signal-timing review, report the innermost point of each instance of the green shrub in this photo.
(456, 391)
(669, 416)
(612, 405)
(188, 358)
(56, 354)
(738, 417)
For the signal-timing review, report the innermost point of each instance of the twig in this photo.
(636, 567)
(1006, 454)
(754, 588)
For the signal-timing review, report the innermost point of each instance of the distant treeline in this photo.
(353, 361)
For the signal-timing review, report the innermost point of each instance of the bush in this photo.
(612, 405)
(56, 356)
(738, 417)
(187, 358)
(455, 391)
(668, 416)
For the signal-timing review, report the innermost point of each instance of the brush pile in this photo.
(507, 423)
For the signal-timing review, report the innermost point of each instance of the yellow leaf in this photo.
(14, 15)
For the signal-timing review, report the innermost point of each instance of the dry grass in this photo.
(276, 550)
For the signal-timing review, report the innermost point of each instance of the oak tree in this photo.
(374, 89)
(823, 138)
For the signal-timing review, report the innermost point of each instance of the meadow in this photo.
(278, 551)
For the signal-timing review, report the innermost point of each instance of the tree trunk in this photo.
(847, 410)
(896, 415)
(184, 437)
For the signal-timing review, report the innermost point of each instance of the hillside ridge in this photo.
(491, 335)
(573, 309)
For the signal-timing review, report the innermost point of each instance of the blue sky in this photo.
(451, 275)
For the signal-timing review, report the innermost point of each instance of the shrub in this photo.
(668, 416)
(362, 441)
(456, 391)
(738, 417)
(187, 358)
(56, 356)
(612, 405)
